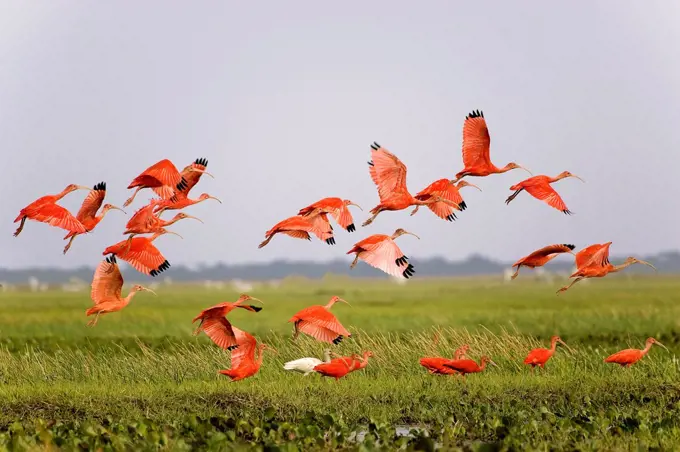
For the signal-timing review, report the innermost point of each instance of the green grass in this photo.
(142, 365)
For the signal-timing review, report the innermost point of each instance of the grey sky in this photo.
(284, 99)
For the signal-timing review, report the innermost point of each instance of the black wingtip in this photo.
(567, 212)
(255, 308)
(351, 228)
(201, 161)
(330, 241)
(462, 205)
(451, 217)
(100, 186)
(370, 163)
(409, 271)
(571, 247)
(401, 261)
(182, 184)
(337, 340)
(475, 114)
(232, 347)
(375, 146)
(111, 259)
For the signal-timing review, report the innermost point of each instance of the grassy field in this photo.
(140, 380)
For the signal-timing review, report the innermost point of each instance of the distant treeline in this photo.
(666, 262)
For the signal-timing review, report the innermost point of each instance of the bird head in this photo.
(162, 231)
(350, 203)
(633, 260)
(560, 341)
(513, 165)
(334, 299)
(139, 288)
(205, 196)
(108, 207)
(486, 359)
(194, 169)
(467, 184)
(566, 174)
(368, 354)
(73, 187)
(182, 216)
(399, 232)
(245, 297)
(651, 340)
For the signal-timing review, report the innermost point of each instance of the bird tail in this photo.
(21, 215)
(231, 373)
(91, 311)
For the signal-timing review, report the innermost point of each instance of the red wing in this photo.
(546, 251)
(343, 216)
(583, 257)
(144, 217)
(323, 318)
(446, 190)
(383, 256)
(298, 234)
(321, 226)
(317, 332)
(600, 258)
(93, 201)
(143, 260)
(164, 191)
(546, 193)
(107, 282)
(220, 331)
(192, 177)
(245, 353)
(476, 141)
(165, 172)
(56, 215)
(387, 172)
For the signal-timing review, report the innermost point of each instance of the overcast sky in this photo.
(284, 99)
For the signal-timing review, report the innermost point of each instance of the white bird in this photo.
(306, 365)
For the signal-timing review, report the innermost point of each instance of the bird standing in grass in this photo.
(46, 210)
(106, 292)
(447, 189)
(338, 367)
(593, 262)
(87, 214)
(629, 356)
(244, 363)
(476, 144)
(468, 366)
(541, 257)
(318, 322)
(539, 356)
(435, 364)
(215, 324)
(539, 187)
(380, 251)
(306, 365)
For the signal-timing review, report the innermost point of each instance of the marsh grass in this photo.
(143, 363)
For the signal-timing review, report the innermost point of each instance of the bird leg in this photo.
(572, 283)
(66, 248)
(94, 321)
(132, 198)
(513, 196)
(370, 220)
(514, 275)
(266, 241)
(354, 263)
(21, 226)
(297, 332)
(415, 210)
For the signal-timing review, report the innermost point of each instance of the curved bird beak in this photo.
(411, 233)
(82, 187)
(566, 346)
(212, 197)
(149, 290)
(117, 208)
(493, 363)
(473, 185)
(195, 218)
(203, 172)
(174, 233)
(646, 263)
(660, 344)
(573, 175)
(525, 169)
(356, 205)
(257, 299)
(345, 301)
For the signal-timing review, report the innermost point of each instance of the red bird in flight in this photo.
(336, 207)
(539, 187)
(381, 251)
(541, 257)
(446, 189)
(476, 143)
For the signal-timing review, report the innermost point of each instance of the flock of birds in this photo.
(442, 198)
